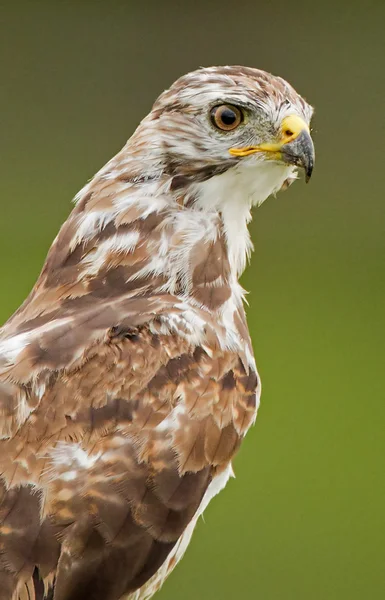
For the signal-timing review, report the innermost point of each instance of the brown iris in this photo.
(226, 117)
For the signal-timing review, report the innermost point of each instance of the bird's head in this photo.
(234, 120)
(217, 142)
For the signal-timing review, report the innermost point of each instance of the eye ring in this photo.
(226, 117)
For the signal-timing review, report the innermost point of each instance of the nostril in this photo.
(288, 132)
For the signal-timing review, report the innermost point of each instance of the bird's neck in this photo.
(183, 216)
(166, 238)
(135, 233)
(232, 194)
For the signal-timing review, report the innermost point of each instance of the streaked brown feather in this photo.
(146, 486)
(127, 378)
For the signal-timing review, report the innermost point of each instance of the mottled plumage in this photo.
(127, 377)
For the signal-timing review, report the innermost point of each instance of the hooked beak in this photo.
(300, 152)
(295, 147)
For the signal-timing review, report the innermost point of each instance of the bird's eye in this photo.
(226, 117)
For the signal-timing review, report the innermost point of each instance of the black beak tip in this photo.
(308, 173)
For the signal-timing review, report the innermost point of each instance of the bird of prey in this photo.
(127, 377)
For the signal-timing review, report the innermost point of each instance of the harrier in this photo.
(127, 377)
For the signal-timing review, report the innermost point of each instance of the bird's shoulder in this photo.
(141, 365)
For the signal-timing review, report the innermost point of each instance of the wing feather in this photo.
(125, 422)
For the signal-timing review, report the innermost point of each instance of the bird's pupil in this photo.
(228, 116)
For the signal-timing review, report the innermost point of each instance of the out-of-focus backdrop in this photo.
(304, 518)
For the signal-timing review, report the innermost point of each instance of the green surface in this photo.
(304, 518)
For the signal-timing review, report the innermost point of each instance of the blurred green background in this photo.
(304, 518)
